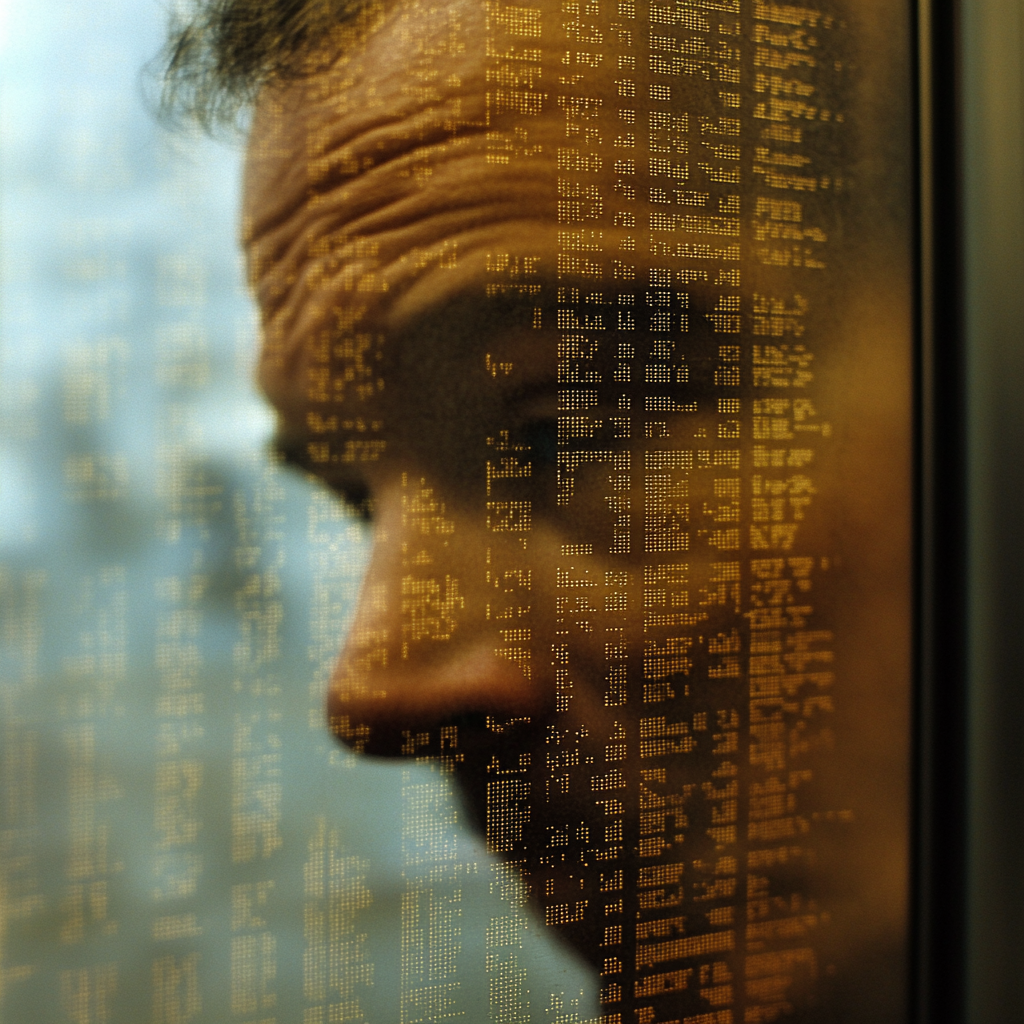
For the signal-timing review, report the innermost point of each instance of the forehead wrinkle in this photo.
(369, 244)
(387, 214)
(329, 144)
(299, 153)
(406, 67)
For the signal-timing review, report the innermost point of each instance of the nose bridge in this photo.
(420, 649)
(431, 598)
(412, 598)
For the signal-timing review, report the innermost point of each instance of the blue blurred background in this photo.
(180, 841)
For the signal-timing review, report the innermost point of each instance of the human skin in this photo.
(374, 223)
(359, 182)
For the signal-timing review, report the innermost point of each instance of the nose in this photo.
(423, 652)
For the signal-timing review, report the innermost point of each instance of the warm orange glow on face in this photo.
(587, 342)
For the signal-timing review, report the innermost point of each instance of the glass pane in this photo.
(588, 324)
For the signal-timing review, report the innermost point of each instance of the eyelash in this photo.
(354, 494)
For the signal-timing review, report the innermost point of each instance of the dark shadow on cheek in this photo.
(452, 333)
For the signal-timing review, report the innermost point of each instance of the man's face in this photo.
(402, 220)
(499, 265)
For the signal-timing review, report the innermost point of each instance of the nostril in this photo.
(422, 709)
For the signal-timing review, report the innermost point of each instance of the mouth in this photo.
(521, 780)
(497, 762)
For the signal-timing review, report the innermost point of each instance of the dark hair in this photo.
(221, 53)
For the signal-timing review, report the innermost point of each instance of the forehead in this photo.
(373, 204)
(436, 150)
(413, 215)
(405, 89)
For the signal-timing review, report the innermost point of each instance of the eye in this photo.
(356, 496)
(354, 493)
(542, 437)
(288, 450)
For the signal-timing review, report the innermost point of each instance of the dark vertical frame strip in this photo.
(992, 41)
(939, 876)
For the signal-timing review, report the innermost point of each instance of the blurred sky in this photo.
(170, 605)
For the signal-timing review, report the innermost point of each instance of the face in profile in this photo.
(506, 293)
(440, 361)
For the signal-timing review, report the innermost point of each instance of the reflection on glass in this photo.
(597, 314)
